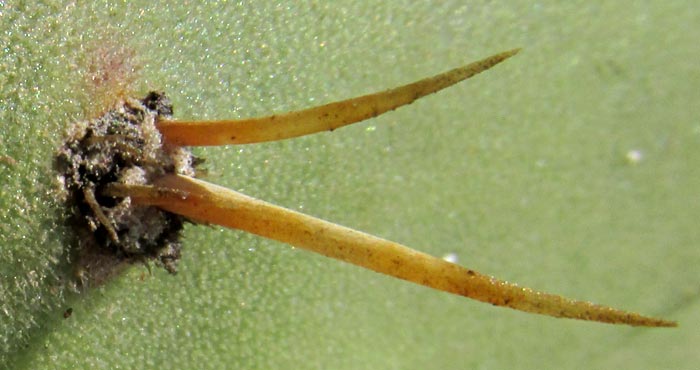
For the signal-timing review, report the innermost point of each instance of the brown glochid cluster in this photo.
(121, 146)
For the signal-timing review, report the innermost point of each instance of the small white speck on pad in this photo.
(634, 156)
(451, 257)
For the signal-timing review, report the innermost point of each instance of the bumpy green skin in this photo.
(122, 146)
